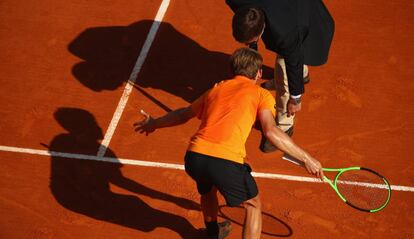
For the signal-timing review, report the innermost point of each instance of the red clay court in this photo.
(74, 75)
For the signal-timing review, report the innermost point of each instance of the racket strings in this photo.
(363, 189)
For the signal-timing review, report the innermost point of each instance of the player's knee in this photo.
(253, 204)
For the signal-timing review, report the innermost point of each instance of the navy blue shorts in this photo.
(233, 180)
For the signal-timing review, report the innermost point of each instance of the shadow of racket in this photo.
(272, 225)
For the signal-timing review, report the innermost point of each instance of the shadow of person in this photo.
(175, 64)
(271, 225)
(83, 186)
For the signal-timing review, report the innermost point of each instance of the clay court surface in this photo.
(65, 102)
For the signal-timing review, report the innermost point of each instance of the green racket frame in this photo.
(341, 171)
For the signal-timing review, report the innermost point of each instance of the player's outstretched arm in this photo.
(281, 140)
(173, 118)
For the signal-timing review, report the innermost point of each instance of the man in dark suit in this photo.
(300, 32)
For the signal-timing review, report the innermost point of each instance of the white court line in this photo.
(166, 165)
(132, 78)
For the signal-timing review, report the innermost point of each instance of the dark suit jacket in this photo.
(299, 30)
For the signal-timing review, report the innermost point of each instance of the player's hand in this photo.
(147, 125)
(314, 167)
(292, 108)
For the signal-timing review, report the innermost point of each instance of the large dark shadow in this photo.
(175, 64)
(271, 226)
(82, 186)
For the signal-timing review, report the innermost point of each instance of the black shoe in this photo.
(267, 147)
(289, 131)
(268, 85)
(224, 230)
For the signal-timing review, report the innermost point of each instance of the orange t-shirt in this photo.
(228, 112)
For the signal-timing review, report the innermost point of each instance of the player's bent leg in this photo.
(209, 205)
(253, 219)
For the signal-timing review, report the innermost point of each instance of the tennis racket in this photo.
(359, 187)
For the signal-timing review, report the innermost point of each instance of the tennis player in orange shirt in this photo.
(216, 153)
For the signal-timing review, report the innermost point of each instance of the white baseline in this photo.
(167, 165)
